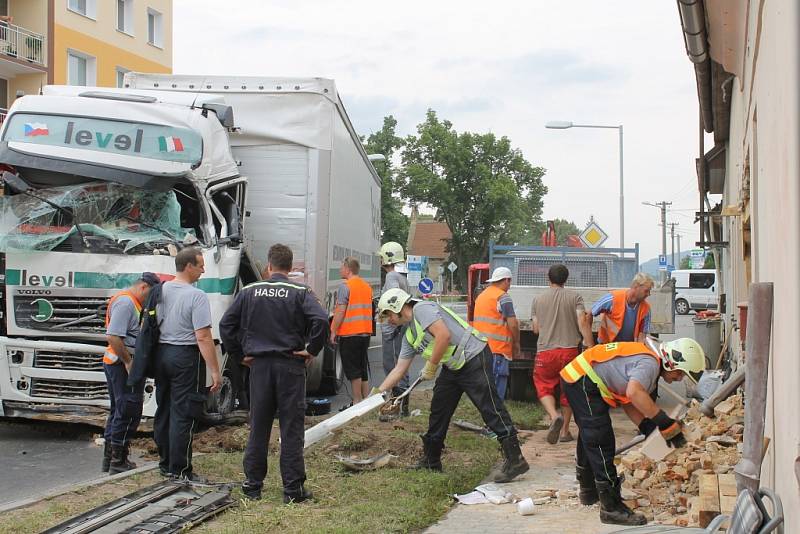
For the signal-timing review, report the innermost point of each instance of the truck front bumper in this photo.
(57, 380)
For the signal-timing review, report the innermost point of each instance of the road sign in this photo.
(425, 286)
(452, 267)
(441, 269)
(662, 262)
(593, 236)
(414, 264)
(698, 258)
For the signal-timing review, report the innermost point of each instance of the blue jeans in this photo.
(500, 370)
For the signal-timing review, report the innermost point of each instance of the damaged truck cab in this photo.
(99, 187)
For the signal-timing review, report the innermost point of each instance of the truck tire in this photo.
(682, 307)
(333, 373)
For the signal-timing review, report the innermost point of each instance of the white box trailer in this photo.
(311, 185)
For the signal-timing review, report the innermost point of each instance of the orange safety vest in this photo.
(109, 356)
(490, 322)
(584, 362)
(611, 323)
(358, 316)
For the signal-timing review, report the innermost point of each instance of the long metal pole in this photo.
(679, 251)
(663, 236)
(621, 195)
(672, 236)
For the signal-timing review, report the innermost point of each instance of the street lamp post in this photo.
(563, 125)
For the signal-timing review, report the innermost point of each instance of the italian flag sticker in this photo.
(170, 144)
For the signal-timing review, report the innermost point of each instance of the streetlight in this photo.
(563, 125)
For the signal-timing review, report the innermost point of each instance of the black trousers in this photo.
(181, 396)
(476, 379)
(277, 383)
(596, 443)
(126, 405)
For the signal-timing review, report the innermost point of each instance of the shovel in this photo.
(392, 406)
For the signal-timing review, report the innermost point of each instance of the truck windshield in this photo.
(114, 219)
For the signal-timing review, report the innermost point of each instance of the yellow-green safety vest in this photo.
(415, 335)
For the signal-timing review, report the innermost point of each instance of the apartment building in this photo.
(80, 42)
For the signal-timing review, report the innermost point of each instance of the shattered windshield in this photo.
(112, 218)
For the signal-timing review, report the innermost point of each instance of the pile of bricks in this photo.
(666, 489)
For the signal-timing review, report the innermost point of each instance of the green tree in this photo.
(709, 261)
(394, 224)
(564, 228)
(686, 262)
(480, 186)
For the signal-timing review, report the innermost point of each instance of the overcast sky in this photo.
(503, 66)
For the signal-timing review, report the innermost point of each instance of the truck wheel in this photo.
(681, 307)
(332, 374)
(224, 400)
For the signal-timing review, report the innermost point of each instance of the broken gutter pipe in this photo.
(723, 392)
(748, 470)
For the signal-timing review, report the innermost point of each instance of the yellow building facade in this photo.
(80, 42)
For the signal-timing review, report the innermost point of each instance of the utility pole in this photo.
(679, 250)
(672, 235)
(663, 207)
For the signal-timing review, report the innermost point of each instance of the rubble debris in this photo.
(670, 489)
(369, 464)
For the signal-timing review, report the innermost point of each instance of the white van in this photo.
(695, 289)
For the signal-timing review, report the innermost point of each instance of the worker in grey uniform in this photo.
(276, 327)
(443, 338)
(392, 257)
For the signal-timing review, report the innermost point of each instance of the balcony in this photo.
(17, 42)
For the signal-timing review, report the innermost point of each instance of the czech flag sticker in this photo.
(32, 129)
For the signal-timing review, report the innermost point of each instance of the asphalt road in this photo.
(39, 456)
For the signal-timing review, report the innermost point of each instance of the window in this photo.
(87, 8)
(701, 280)
(125, 16)
(155, 28)
(80, 69)
(121, 76)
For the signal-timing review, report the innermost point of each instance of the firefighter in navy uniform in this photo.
(276, 327)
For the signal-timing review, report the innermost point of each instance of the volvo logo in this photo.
(44, 310)
(33, 292)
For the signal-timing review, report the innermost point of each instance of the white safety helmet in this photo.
(392, 300)
(391, 253)
(684, 354)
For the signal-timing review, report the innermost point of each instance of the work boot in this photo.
(431, 455)
(304, 495)
(588, 490)
(106, 456)
(514, 464)
(119, 460)
(251, 490)
(613, 510)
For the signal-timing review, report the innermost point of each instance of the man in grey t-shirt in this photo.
(185, 348)
(443, 338)
(125, 411)
(392, 256)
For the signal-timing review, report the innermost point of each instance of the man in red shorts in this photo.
(558, 318)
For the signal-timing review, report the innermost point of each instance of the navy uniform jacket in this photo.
(274, 316)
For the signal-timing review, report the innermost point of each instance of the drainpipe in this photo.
(693, 23)
(759, 327)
